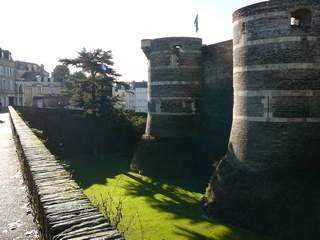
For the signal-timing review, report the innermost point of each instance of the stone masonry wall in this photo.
(174, 89)
(61, 208)
(190, 105)
(270, 173)
(216, 104)
(173, 86)
(276, 85)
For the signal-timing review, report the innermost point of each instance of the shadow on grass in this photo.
(89, 170)
(179, 197)
(192, 235)
(168, 196)
(228, 235)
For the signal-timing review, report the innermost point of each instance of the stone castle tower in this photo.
(271, 70)
(183, 76)
(270, 172)
(174, 86)
(276, 83)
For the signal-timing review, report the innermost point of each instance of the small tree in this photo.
(91, 88)
(60, 73)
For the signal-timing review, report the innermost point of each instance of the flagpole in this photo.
(196, 24)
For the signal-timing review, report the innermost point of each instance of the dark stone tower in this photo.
(174, 86)
(173, 89)
(269, 178)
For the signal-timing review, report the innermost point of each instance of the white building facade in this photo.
(7, 79)
(34, 86)
(135, 99)
(141, 97)
(26, 84)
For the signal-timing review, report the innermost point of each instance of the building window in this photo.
(243, 28)
(175, 58)
(301, 19)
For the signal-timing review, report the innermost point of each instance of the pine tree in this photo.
(91, 88)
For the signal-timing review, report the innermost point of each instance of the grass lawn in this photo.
(155, 209)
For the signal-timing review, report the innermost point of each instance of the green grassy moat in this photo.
(155, 209)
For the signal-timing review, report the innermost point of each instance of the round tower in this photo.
(276, 84)
(173, 89)
(174, 86)
(273, 147)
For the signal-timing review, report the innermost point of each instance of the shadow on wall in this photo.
(166, 157)
(214, 129)
(163, 157)
(282, 202)
(70, 133)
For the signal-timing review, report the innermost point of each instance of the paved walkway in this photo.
(16, 220)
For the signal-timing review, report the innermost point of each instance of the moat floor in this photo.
(16, 220)
(152, 208)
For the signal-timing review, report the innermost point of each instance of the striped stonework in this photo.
(287, 39)
(275, 67)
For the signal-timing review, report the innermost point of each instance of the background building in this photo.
(35, 87)
(7, 79)
(140, 96)
(135, 98)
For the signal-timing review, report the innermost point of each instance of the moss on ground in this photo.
(155, 209)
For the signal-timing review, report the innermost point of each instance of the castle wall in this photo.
(218, 66)
(174, 90)
(190, 106)
(270, 170)
(216, 105)
(276, 86)
(174, 86)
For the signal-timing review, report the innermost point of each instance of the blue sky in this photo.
(42, 31)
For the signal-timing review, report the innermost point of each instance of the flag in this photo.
(196, 23)
(103, 68)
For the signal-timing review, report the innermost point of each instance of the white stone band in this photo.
(172, 98)
(171, 114)
(277, 119)
(245, 43)
(165, 83)
(275, 67)
(260, 16)
(170, 51)
(175, 67)
(278, 93)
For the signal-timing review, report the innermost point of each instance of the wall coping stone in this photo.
(60, 206)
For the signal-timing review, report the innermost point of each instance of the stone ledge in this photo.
(61, 208)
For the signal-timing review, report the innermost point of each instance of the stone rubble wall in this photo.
(61, 208)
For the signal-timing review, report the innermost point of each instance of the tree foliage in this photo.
(60, 73)
(91, 87)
